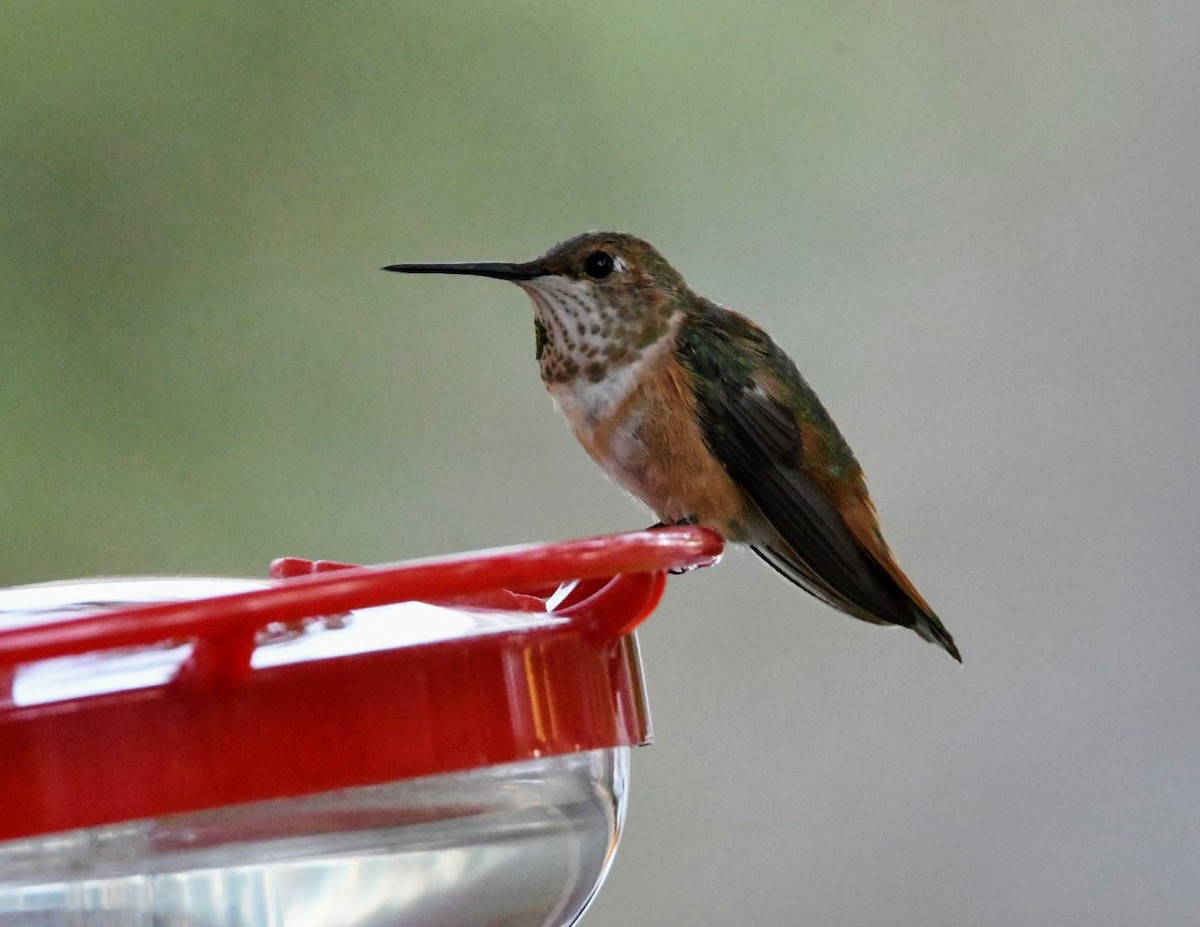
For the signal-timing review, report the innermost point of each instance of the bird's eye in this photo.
(598, 264)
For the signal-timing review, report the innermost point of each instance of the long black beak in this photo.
(499, 271)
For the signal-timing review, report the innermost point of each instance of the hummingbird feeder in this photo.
(438, 742)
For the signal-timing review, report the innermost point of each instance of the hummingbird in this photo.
(696, 411)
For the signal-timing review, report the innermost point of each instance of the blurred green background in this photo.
(974, 226)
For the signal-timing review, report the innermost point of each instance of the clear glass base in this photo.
(521, 844)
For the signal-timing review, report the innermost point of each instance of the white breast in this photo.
(587, 403)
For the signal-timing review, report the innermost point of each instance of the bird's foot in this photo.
(689, 520)
(680, 523)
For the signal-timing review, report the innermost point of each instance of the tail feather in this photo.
(904, 612)
(930, 627)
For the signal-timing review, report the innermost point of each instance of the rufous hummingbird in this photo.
(693, 408)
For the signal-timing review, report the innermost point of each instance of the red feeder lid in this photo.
(112, 711)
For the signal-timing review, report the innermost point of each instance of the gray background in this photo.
(973, 225)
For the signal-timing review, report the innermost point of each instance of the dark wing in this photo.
(759, 443)
(740, 377)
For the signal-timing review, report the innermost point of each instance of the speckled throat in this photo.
(584, 334)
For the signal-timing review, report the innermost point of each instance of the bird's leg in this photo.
(688, 520)
(680, 523)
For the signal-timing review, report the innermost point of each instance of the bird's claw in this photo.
(682, 522)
